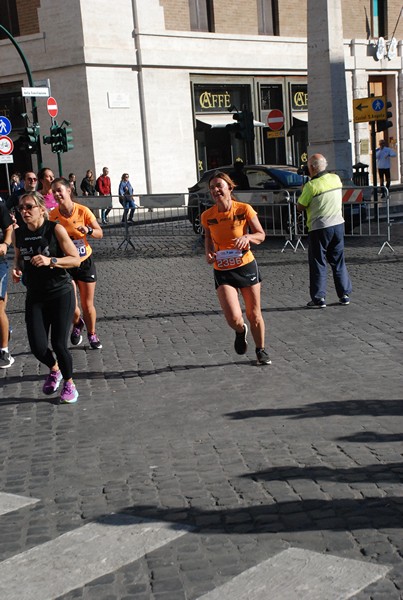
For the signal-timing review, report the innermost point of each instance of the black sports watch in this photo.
(90, 230)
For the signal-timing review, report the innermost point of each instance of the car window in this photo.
(288, 178)
(259, 179)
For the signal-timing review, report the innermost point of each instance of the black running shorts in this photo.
(244, 276)
(85, 272)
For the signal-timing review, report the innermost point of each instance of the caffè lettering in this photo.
(301, 99)
(209, 100)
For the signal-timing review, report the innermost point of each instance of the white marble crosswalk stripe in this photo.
(10, 502)
(80, 556)
(297, 574)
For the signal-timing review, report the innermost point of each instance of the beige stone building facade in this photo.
(150, 86)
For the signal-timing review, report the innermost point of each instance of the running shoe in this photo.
(240, 344)
(344, 300)
(69, 393)
(6, 360)
(76, 338)
(94, 341)
(321, 303)
(262, 358)
(52, 382)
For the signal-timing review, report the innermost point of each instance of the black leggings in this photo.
(54, 315)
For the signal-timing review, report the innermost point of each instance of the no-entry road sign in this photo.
(52, 107)
(275, 119)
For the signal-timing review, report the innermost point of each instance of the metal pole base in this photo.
(383, 246)
(127, 239)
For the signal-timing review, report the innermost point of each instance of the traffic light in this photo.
(67, 139)
(383, 125)
(236, 127)
(55, 138)
(30, 139)
(247, 126)
(244, 128)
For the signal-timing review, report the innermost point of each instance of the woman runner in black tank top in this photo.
(43, 252)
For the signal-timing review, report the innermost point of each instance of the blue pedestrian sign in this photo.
(5, 126)
(378, 104)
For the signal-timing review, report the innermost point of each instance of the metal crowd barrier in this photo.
(154, 215)
(274, 209)
(366, 212)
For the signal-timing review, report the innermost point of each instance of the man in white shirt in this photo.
(383, 155)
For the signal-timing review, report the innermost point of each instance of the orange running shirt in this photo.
(81, 216)
(224, 227)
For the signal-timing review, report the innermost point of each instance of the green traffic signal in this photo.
(383, 125)
(67, 139)
(30, 139)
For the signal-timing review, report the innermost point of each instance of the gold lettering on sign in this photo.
(209, 100)
(301, 99)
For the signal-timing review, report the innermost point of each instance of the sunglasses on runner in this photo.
(26, 207)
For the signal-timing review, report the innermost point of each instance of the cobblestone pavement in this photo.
(172, 425)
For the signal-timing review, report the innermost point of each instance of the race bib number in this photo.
(80, 245)
(229, 259)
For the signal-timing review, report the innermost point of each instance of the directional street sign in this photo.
(35, 92)
(6, 145)
(5, 126)
(369, 109)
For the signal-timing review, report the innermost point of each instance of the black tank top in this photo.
(43, 283)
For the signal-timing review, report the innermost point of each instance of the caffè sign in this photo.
(299, 97)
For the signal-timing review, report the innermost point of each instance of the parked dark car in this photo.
(267, 186)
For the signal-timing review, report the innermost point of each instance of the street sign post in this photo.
(6, 145)
(275, 119)
(52, 107)
(369, 109)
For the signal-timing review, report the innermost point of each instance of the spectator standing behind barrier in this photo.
(6, 226)
(81, 224)
(87, 185)
(238, 175)
(45, 178)
(15, 183)
(103, 187)
(30, 182)
(73, 182)
(230, 226)
(383, 156)
(126, 198)
(43, 251)
(321, 197)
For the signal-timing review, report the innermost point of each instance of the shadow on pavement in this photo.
(391, 472)
(325, 409)
(304, 515)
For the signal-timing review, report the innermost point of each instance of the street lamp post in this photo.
(31, 83)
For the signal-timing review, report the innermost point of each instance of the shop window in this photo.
(268, 17)
(379, 18)
(9, 18)
(201, 15)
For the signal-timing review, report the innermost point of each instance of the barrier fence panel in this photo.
(274, 209)
(152, 215)
(366, 213)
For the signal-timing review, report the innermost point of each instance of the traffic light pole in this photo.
(373, 150)
(31, 83)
